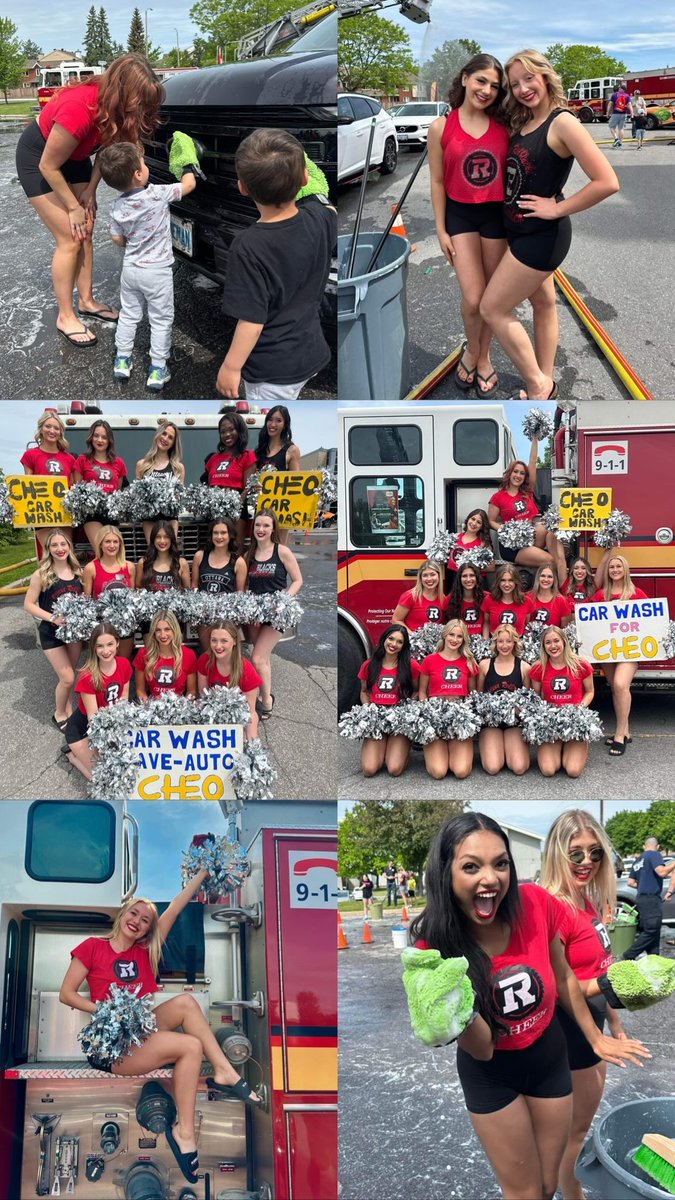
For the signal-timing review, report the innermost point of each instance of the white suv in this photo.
(355, 114)
(413, 119)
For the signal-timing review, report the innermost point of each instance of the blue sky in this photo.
(642, 36)
(166, 830)
(536, 815)
(314, 422)
(60, 26)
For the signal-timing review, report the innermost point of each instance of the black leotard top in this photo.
(161, 581)
(503, 683)
(269, 576)
(216, 580)
(278, 460)
(533, 169)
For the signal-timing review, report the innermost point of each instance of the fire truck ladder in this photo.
(267, 38)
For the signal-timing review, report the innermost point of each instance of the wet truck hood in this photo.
(306, 79)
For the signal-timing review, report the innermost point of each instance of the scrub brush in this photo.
(656, 1156)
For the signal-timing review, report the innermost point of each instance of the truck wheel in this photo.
(350, 658)
(586, 116)
(390, 157)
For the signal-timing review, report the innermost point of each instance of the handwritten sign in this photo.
(186, 762)
(293, 496)
(613, 631)
(584, 508)
(37, 500)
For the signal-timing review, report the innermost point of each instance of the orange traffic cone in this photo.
(343, 944)
(398, 226)
(367, 935)
(404, 913)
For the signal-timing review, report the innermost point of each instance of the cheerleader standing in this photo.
(59, 574)
(613, 582)
(50, 457)
(109, 570)
(270, 566)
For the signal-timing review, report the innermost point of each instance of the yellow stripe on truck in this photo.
(651, 557)
(310, 1069)
(363, 570)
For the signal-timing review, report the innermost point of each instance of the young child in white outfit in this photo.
(140, 222)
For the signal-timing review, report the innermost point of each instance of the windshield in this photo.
(322, 36)
(418, 110)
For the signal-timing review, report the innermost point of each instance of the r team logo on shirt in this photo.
(165, 676)
(126, 972)
(480, 168)
(470, 614)
(507, 618)
(519, 506)
(541, 614)
(53, 466)
(517, 991)
(113, 692)
(433, 613)
(602, 934)
(452, 674)
(386, 683)
(560, 684)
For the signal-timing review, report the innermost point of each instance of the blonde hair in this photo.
(175, 648)
(556, 869)
(103, 533)
(555, 587)
(175, 454)
(570, 659)
(430, 565)
(236, 666)
(152, 940)
(518, 114)
(516, 640)
(46, 573)
(629, 588)
(465, 648)
(92, 666)
(61, 444)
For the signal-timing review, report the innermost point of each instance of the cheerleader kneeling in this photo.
(561, 677)
(449, 673)
(389, 677)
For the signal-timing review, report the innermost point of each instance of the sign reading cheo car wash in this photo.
(186, 762)
(37, 500)
(293, 496)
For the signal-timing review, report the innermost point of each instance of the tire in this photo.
(586, 116)
(350, 659)
(652, 123)
(389, 157)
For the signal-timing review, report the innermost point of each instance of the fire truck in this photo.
(53, 78)
(411, 469)
(589, 98)
(261, 964)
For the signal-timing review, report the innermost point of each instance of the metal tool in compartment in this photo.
(66, 1162)
(45, 1123)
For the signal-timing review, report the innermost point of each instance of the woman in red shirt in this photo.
(503, 671)
(511, 1057)
(580, 584)
(163, 459)
(550, 607)
(53, 162)
(467, 160)
(466, 598)
(613, 582)
(109, 569)
(225, 666)
(451, 674)
(426, 601)
(475, 534)
(515, 502)
(561, 677)
(577, 869)
(100, 465)
(506, 604)
(130, 957)
(104, 680)
(50, 457)
(165, 664)
(232, 461)
(388, 677)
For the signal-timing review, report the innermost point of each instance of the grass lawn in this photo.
(357, 905)
(24, 548)
(18, 108)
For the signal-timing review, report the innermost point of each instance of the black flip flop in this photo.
(70, 337)
(617, 749)
(464, 385)
(610, 741)
(59, 724)
(234, 1091)
(486, 379)
(97, 315)
(188, 1160)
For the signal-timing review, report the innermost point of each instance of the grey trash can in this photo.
(606, 1162)
(373, 361)
(376, 909)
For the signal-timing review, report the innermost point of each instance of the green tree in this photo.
(582, 62)
(136, 39)
(373, 831)
(12, 56)
(627, 830)
(91, 39)
(660, 823)
(446, 62)
(31, 49)
(224, 23)
(373, 54)
(117, 50)
(204, 54)
(105, 40)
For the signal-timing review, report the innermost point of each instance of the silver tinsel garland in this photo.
(6, 509)
(212, 503)
(441, 544)
(479, 557)
(551, 519)
(226, 861)
(516, 535)
(614, 531)
(425, 640)
(668, 642)
(86, 502)
(561, 723)
(126, 608)
(505, 708)
(537, 424)
(123, 1021)
(145, 499)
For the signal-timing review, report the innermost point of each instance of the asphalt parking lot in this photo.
(39, 364)
(404, 1131)
(620, 263)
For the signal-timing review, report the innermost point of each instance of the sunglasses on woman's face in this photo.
(596, 854)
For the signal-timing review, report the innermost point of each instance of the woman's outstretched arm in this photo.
(180, 902)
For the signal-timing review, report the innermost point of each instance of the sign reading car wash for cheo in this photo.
(293, 496)
(613, 631)
(186, 762)
(37, 500)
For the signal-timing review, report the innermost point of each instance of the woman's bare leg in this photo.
(67, 263)
(468, 264)
(492, 751)
(184, 1011)
(574, 758)
(397, 753)
(622, 677)
(492, 252)
(81, 756)
(261, 658)
(460, 757)
(63, 660)
(507, 1138)
(551, 1124)
(92, 530)
(373, 752)
(517, 751)
(549, 758)
(587, 1086)
(512, 283)
(436, 758)
(185, 1052)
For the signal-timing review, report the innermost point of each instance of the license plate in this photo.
(402, 137)
(181, 235)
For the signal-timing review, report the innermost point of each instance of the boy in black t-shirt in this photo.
(276, 274)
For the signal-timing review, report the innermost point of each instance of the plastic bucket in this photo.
(399, 936)
(622, 938)
(373, 360)
(605, 1162)
(376, 907)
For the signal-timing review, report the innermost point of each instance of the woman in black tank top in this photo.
(503, 671)
(270, 565)
(545, 140)
(277, 449)
(219, 568)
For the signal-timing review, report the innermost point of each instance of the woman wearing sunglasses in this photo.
(577, 868)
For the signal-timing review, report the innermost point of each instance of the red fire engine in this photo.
(54, 78)
(589, 97)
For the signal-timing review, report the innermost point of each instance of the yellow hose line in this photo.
(13, 566)
(631, 381)
(8, 591)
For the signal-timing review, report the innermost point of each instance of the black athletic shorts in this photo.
(487, 219)
(76, 729)
(28, 154)
(579, 1051)
(100, 1064)
(545, 249)
(47, 636)
(507, 554)
(541, 1070)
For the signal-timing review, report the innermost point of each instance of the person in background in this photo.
(618, 108)
(391, 876)
(412, 888)
(647, 875)
(403, 885)
(366, 886)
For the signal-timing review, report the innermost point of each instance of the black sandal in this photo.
(59, 724)
(464, 385)
(266, 713)
(234, 1091)
(188, 1160)
(487, 391)
(610, 741)
(617, 748)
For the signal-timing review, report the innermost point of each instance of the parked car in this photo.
(627, 895)
(659, 115)
(355, 114)
(413, 119)
(219, 106)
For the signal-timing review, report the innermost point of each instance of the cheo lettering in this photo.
(625, 649)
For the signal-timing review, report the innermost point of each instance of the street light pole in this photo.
(177, 47)
(146, 30)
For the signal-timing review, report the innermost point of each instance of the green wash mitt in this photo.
(183, 154)
(639, 983)
(440, 996)
(317, 184)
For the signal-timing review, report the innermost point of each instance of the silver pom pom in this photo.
(226, 861)
(124, 1020)
(363, 721)
(668, 642)
(551, 520)
(479, 557)
(86, 502)
(80, 615)
(561, 723)
(480, 647)
(118, 605)
(254, 484)
(534, 632)
(441, 544)
(212, 503)
(447, 719)
(614, 531)
(425, 640)
(504, 708)
(537, 424)
(148, 498)
(253, 774)
(516, 535)
(572, 635)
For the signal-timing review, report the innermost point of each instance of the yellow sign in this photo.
(584, 508)
(293, 496)
(37, 500)
(186, 762)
